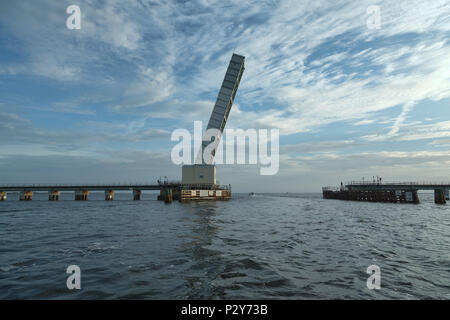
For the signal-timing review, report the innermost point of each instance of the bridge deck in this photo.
(397, 186)
(80, 187)
(102, 187)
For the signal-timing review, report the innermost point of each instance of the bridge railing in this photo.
(397, 183)
(44, 185)
(168, 182)
(331, 188)
(205, 186)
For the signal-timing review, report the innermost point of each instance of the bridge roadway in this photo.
(387, 192)
(174, 189)
(404, 186)
(441, 190)
(83, 187)
(82, 190)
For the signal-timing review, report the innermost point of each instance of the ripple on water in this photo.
(290, 247)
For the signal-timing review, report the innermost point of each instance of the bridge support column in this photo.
(165, 194)
(109, 195)
(81, 195)
(415, 197)
(168, 196)
(2, 195)
(137, 194)
(439, 196)
(53, 195)
(26, 196)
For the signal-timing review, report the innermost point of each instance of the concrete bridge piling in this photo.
(53, 195)
(109, 195)
(26, 196)
(81, 195)
(439, 196)
(137, 194)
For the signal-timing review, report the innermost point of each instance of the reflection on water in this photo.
(292, 246)
(206, 262)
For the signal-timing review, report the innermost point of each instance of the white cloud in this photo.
(317, 146)
(364, 122)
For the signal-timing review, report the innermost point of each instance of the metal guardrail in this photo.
(372, 183)
(329, 188)
(42, 185)
(77, 187)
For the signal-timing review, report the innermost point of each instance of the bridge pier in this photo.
(137, 194)
(415, 197)
(168, 194)
(81, 195)
(439, 196)
(165, 194)
(26, 196)
(109, 195)
(168, 198)
(53, 195)
(2, 196)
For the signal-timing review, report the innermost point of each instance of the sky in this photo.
(99, 104)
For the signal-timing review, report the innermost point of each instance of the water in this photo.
(261, 247)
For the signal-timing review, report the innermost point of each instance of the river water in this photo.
(294, 246)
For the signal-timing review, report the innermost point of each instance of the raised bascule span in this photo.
(203, 172)
(224, 102)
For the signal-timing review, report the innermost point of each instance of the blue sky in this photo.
(99, 104)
